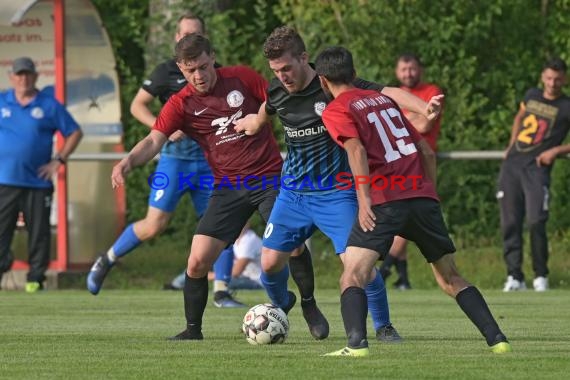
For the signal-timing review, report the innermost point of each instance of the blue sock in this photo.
(224, 265)
(276, 286)
(126, 242)
(378, 302)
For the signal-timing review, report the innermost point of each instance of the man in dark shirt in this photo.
(539, 127)
(312, 173)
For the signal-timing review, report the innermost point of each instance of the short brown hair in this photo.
(191, 47)
(283, 39)
(409, 57)
(556, 64)
(190, 16)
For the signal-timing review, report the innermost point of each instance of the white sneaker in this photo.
(513, 285)
(540, 284)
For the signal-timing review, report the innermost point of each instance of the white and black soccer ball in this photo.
(265, 324)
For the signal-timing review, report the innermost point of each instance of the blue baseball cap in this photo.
(23, 64)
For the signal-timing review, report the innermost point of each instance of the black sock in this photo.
(402, 268)
(471, 301)
(389, 260)
(354, 309)
(301, 268)
(220, 294)
(195, 299)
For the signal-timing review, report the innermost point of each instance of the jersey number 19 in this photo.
(391, 120)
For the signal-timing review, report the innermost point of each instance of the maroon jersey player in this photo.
(246, 168)
(381, 144)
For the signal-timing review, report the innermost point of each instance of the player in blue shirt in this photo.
(28, 121)
(180, 154)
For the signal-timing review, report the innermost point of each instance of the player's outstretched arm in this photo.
(434, 107)
(406, 100)
(425, 111)
(252, 123)
(420, 122)
(142, 153)
(424, 124)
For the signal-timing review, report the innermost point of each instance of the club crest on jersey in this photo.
(37, 113)
(319, 108)
(235, 99)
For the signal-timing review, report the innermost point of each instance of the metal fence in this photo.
(453, 155)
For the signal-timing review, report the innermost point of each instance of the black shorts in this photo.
(416, 219)
(229, 209)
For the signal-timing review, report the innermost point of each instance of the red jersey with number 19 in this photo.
(209, 119)
(395, 167)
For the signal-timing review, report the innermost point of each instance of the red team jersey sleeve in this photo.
(339, 124)
(171, 116)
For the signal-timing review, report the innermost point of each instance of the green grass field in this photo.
(121, 334)
(158, 261)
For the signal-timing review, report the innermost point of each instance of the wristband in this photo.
(60, 159)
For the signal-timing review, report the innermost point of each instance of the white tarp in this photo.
(12, 11)
(92, 85)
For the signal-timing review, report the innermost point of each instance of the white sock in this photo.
(220, 286)
(111, 255)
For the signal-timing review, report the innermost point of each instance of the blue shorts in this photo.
(295, 216)
(167, 197)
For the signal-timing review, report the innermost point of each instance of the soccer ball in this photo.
(265, 324)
